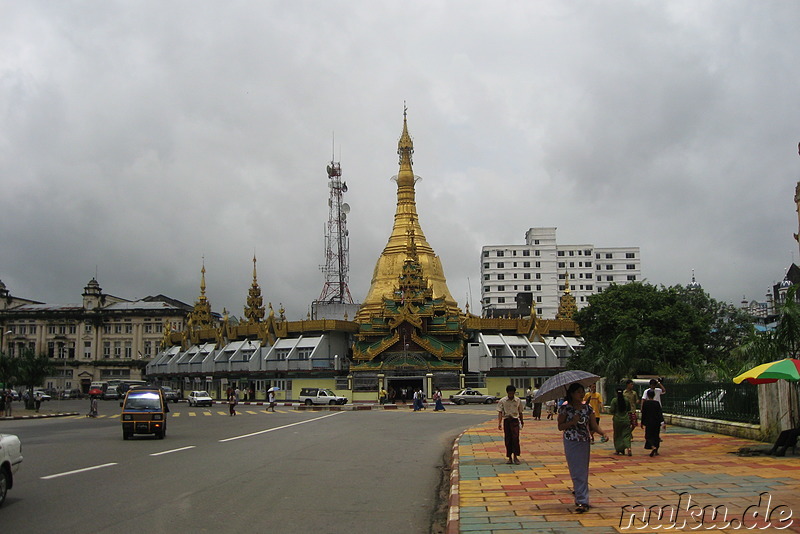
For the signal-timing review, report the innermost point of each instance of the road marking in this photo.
(279, 427)
(48, 477)
(173, 450)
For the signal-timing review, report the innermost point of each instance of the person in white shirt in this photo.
(657, 387)
(509, 419)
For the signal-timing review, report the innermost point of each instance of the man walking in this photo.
(509, 419)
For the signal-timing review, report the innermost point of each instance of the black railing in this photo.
(726, 401)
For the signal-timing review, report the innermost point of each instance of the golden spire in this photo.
(406, 231)
(203, 281)
(254, 311)
(566, 305)
(200, 316)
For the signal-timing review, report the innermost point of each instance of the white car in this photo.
(10, 460)
(199, 398)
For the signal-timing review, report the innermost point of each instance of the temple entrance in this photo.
(402, 389)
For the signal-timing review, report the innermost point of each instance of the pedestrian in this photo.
(3, 400)
(551, 408)
(576, 420)
(632, 397)
(422, 401)
(537, 407)
(382, 396)
(652, 419)
(437, 397)
(271, 399)
(232, 401)
(620, 419)
(417, 402)
(509, 419)
(529, 398)
(93, 406)
(658, 389)
(595, 400)
(37, 400)
(9, 400)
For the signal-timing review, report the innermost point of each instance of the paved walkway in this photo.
(696, 473)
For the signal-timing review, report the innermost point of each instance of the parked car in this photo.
(309, 396)
(144, 411)
(170, 395)
(110, 393)
(10, 460)
(708, 401)
(72, 394)
(199, 398)
(469, 395)
(42, 395)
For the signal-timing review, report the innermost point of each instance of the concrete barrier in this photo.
(728, 428)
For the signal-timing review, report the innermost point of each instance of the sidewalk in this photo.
(696, 474)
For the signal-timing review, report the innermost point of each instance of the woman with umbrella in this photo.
(577, 421)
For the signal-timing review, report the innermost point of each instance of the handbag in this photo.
(634, 419)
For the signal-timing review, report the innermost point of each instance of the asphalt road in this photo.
(291, 471)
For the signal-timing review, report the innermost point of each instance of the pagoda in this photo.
(410, 327)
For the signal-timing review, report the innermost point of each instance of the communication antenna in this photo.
(337, 240)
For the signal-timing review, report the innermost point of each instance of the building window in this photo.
(588, 288)
(588, 264)
(561, 277)
(106, 328)
(538, 264)
(159, 328)
(526, 252)
(514, 264)
(562, 265)
(501, 300)
(526, 276)
(609, 255)
(148, 328)
(536, 253)
(589, 276)
(539, 299)
(485, 276)
(87, 350)
(609, 278)
(128, 328)
(519, 351)
(485, 265)
(485, 253)
(571, 252)
(538, 287)
(117, 349)
(500, 264)
(630, 255)
(106, 349)
(538, 276)
(73, 329)
(560, 253)
(501, 288)
(128, 350)
(609, 267)
(630, 267)
(486, 289)
(500, 253)
(501, 276)
(632, 277)
(587, 252)
(526, 288)
(597, 256)
(148, 348)
(526, 264)
(33, 329)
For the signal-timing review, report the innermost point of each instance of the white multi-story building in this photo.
(518, 278)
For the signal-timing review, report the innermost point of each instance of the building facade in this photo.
(518, 280)
(102, 338)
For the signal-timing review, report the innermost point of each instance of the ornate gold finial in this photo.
(405, 146)
(566, 283)
(203, 280)
(254, 311)
(281, 311)
(411, 244)
(567, 305)
(271, 311)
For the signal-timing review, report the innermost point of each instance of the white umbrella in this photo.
(556, 386)
(273, 388)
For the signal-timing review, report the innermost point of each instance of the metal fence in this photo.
(725, 401)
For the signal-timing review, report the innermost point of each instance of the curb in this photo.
(37, 416)
(454, 513)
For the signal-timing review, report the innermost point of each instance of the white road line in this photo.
(279, 427)
(173, 450)
(48, 477)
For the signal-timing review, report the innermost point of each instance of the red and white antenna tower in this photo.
(337, 242)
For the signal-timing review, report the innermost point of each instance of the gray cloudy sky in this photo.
(137, 137)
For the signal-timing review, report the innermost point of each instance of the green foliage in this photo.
(763, 347)
(32, 369)
(8, 369)
(639, 328)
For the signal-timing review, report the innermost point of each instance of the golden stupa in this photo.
(389, 267)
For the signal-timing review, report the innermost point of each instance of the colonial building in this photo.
(408, 334)
(518, 278)
(102, 338)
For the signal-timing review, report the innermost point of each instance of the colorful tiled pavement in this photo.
(696, 474)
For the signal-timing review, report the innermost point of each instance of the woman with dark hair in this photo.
(620, 415)
(577, 421)
(652, 418)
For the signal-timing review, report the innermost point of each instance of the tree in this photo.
(32, 370)
(763, 347)
(8, 370)
(639, 328)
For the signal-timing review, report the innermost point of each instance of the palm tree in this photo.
(32, 370)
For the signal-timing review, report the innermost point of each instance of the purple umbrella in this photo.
(556, 386)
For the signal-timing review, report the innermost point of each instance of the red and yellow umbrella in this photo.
(786, 369)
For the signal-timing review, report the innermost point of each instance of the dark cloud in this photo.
(141, 139)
